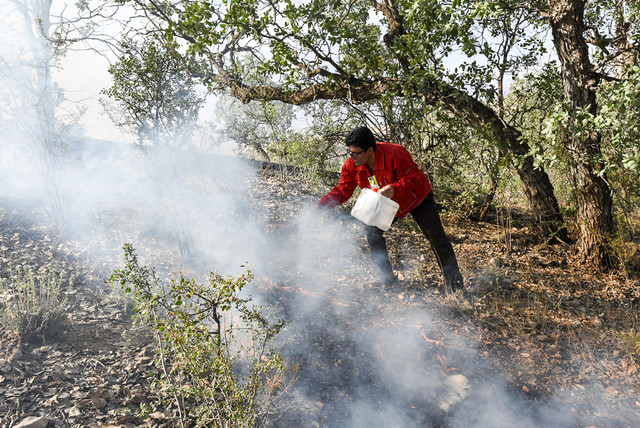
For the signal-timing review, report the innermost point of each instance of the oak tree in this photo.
(366, 50)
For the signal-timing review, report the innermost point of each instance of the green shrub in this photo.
(32, 302)
(631, 343)
(212, 346)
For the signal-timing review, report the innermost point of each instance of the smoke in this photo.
(367, 356)
(364, 353)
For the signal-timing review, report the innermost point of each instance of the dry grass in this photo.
(546, 321)
(32, 301)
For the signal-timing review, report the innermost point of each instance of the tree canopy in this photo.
(157, 97)
(454, 56)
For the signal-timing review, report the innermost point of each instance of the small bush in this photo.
(211, 345)
(631, 341)
(32, 302)
(625, 245)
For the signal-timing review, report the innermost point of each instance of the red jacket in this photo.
(395, 166)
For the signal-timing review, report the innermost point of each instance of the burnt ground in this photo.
(545, 329)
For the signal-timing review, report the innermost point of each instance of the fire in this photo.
(267, 284)
(435, 342)
(381, 323)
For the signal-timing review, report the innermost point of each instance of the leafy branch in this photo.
(212, 346)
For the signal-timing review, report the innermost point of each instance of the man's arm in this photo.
(343, 190)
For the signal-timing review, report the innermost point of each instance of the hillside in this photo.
(540, 339)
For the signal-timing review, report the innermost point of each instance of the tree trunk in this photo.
(494, 179)
(594, 210)
(40, 121)
(536, 183)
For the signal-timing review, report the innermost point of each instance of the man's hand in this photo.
(387, 191)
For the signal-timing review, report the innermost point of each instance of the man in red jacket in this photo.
(392, 169)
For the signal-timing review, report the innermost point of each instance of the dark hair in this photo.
(361, 137)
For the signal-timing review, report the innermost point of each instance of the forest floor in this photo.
(536, 318)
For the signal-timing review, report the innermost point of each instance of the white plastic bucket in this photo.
(374, 209)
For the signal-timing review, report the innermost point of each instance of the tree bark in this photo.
(494, 175)
(536, 183)
(594, 215)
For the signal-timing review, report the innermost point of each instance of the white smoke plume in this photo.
(366, 364)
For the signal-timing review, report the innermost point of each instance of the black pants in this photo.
(427, 216)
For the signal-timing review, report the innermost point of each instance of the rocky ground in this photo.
(535, 318)
(91, 370)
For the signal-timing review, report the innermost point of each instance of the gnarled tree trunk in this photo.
(536, 182)
(594, 214)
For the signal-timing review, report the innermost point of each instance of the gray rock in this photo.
(496, 262)
(456, 389)
(17, 355)
(33, 422)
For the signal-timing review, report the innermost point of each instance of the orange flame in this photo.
(266, 284)
(434, 341)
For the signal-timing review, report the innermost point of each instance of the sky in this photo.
(83, 75)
